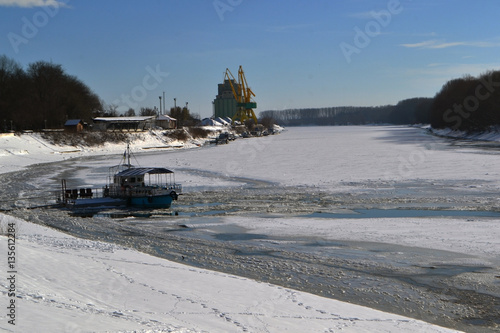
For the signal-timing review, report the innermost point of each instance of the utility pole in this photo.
(160, 103)
(164, 110)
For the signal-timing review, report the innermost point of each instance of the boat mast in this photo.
(128, 154)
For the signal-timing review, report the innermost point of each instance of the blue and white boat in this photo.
(139, 187)
(144, 187)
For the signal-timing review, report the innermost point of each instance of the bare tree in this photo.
(267, 121)
(129, 113)
(110, 110)
(42, 96)
(148, 112)
(13, 85)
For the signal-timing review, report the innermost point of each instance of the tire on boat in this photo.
(174, 195)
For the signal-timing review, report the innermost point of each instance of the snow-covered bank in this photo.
(18, 151)
(493, 135)
(66, 284)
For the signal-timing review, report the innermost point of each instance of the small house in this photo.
(74, 125)
(166, 122)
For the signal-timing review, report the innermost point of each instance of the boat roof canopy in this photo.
(142, 171)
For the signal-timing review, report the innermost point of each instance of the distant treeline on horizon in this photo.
(467, 104)
(409, 111)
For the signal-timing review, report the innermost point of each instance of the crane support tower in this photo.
(243, 95)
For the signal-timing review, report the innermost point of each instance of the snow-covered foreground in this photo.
(65, 284)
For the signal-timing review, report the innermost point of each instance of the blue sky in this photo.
(295, 54)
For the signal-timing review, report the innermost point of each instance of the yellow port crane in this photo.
(243, 95)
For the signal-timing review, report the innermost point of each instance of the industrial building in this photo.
(225, 104)
(234, 99)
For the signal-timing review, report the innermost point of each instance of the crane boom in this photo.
(243, 95)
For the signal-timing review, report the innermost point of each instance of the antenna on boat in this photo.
(128, 155)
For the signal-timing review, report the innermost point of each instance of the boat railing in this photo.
(70, 195)
(176, 187)
(134, 191)
(66, 195)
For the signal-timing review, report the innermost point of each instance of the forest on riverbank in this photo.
(469, 103)
(42, 96)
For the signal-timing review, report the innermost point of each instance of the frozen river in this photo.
(387, 217)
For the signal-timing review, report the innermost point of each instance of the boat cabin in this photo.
(135, 177)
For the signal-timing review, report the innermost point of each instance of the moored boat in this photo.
(144, 187)
(141, 187)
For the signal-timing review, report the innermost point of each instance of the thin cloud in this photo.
(435, 44)
(447, 45)
(422, 45)
(435, 64)
(32, 3)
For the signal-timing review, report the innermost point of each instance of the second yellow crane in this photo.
(243, 95)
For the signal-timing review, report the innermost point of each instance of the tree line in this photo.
(409, 111)
(184, 117)
(42, 96)
(468, 103)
